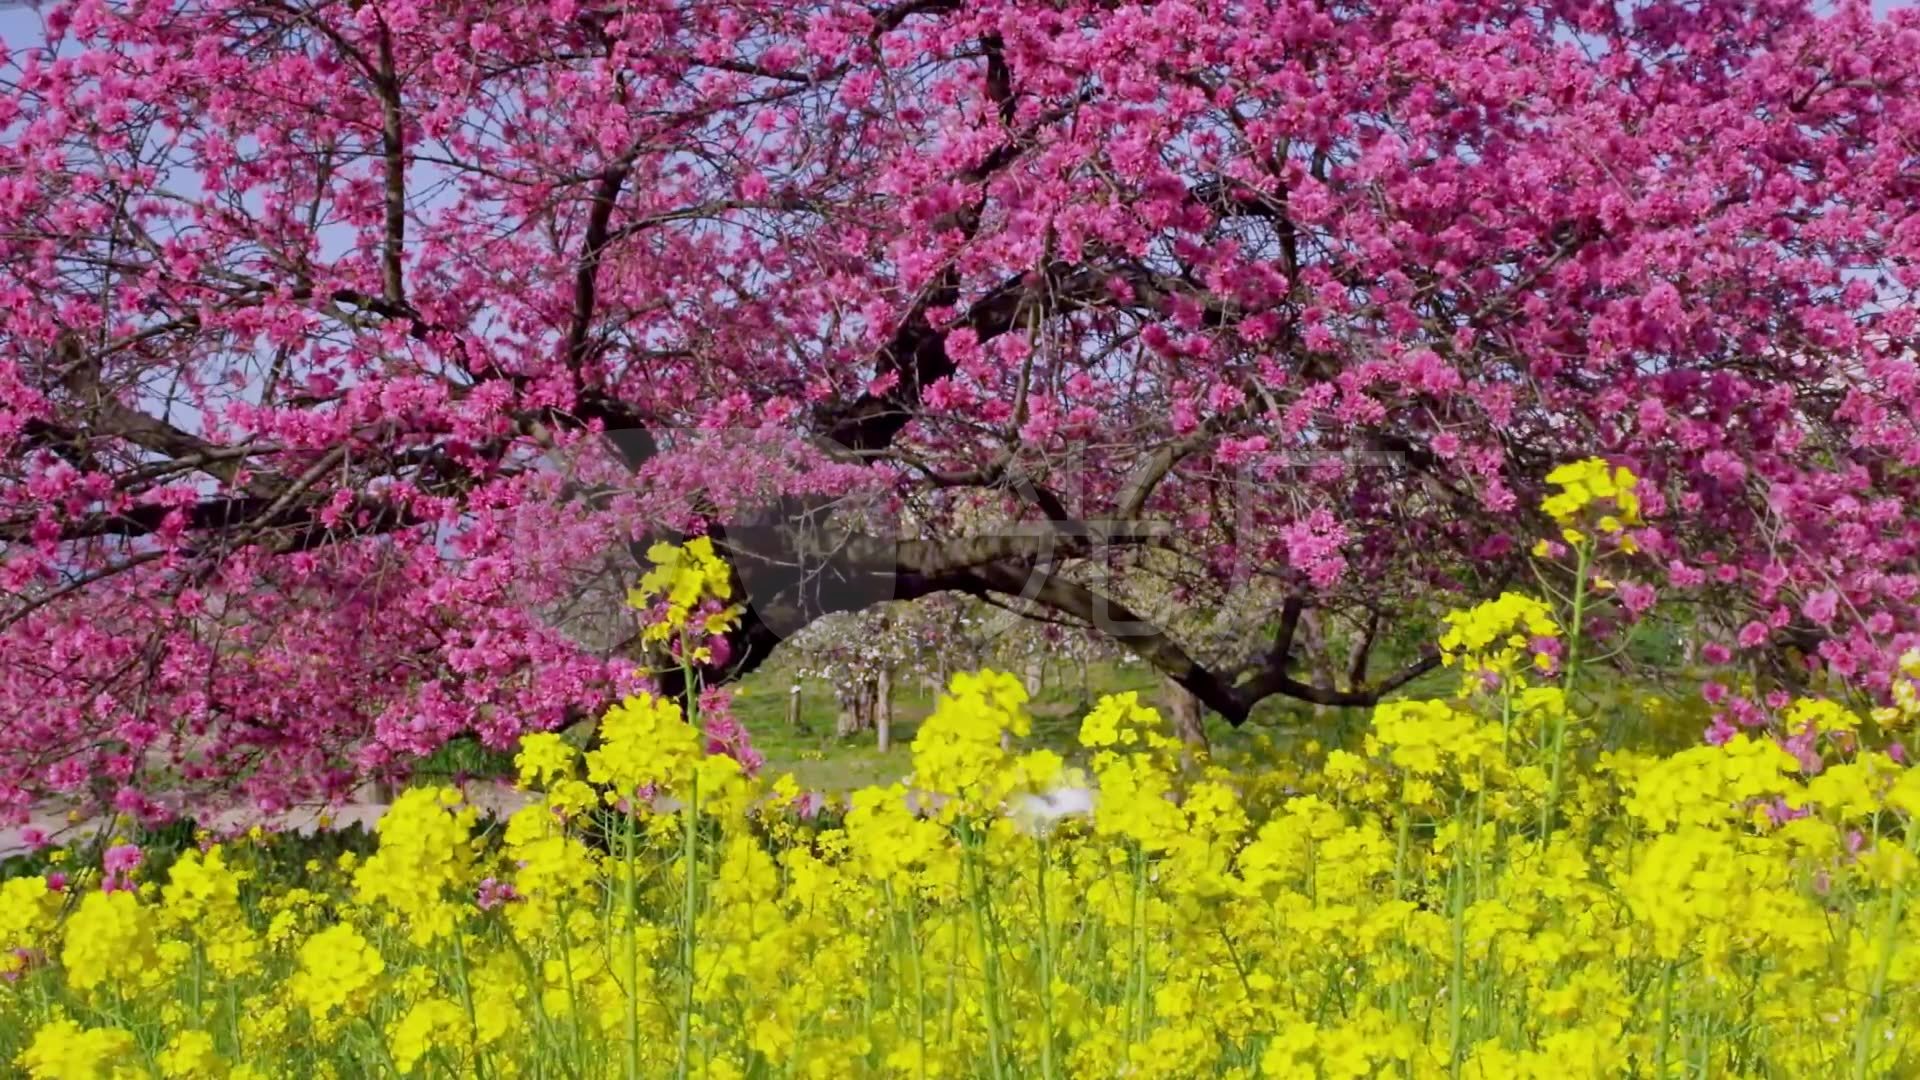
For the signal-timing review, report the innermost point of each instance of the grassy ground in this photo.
(821, 760)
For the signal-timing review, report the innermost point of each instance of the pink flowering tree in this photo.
(341, 342)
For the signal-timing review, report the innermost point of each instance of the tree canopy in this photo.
(343, 339)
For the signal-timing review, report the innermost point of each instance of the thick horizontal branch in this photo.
(786, 591)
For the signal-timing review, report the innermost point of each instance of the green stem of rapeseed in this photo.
(912, 949)
(1877, 990)
(1398, 993)
(1574, 625)
(976, 902)
(1456, 975)
(466, 1002)
(629, 910)
(1137, 971)
(690, 910)
(1046, 970)
(1666, 1022)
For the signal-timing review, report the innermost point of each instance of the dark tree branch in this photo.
(586, 278)
(1362, 655)
(393, 148)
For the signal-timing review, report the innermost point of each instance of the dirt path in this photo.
(492, 798)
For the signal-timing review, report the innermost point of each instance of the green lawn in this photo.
(820, 760)
(824, 762)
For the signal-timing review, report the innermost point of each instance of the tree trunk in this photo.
(1319, 659)
(793, 706)
(856, 708)
(1361, 655)
(1189, 717)
(1036, 677)
(883, 710)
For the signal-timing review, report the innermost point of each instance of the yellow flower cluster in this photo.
(1392, 906)
(29, 915)
(958, 752)
(63, 1048)
(684, 578)
(1494, 636)
(424, 866)
(202, 898)
(1593, 490)
(109, 942)
(644, 743)
(336, 972)
(1905, 695)
(543, 758)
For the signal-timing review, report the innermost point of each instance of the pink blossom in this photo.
(351, 485)
(119, 864)
(725, 734)
(493, 892)
(1637, 597)
(1821, 606)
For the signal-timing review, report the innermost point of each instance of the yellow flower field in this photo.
(1391, 908)
(1477, 886)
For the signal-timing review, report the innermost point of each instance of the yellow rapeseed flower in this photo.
(645, 741)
